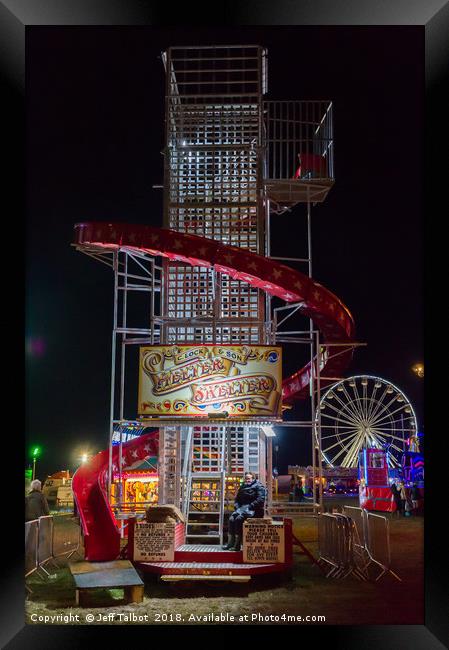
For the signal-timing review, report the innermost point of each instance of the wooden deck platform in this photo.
(212, 562)
(206, 562)
(286, 193)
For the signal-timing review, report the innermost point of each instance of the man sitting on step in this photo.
(249, 502)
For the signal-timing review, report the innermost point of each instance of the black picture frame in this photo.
(15, 18)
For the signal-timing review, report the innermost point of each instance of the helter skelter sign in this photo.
(186, 380)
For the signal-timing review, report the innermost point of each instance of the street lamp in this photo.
(418, 369)
(85, 457)
(35, 452)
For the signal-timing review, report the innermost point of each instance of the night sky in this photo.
(95, 107)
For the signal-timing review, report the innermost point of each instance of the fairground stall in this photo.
(134, 489)
(334, 478)
(57, 489)
(377, 476)
(213, 314)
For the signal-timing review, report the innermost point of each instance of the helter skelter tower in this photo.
(232, 160)
(213, 187)
(222, 144)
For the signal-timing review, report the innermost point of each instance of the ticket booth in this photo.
(374, 489)
(373, 467)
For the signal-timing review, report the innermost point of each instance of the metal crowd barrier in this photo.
(378, 544)
(373, 544)
(325, 542)
(45, 541)
(358, 517)
(361, 556)
(42, 546)
(70, 543)
(31, 541)
(336, 536)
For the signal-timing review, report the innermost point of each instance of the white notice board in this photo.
(154, 542)
(263, 541)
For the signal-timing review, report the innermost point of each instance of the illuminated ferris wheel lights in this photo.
(357, 419)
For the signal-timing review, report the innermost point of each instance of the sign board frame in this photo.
(154, 541)
(263, 542)
(208, 380)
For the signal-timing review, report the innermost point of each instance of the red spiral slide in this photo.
(89, 485)
(328, 313)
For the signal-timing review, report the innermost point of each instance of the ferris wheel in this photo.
(364, 411)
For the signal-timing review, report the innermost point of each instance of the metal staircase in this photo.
(204, 476)
(205, 514)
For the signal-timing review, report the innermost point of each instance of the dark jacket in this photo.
(396, 494)
(35, 505)
(252, 495)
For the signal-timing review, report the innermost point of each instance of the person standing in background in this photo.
(397, 497)
(415, 496)
(403, 495)
(408, 502)
(299, 494)
(36, 504)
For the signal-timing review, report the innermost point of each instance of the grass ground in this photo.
(308, 593)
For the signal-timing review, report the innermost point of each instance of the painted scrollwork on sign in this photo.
(179, 406)
(197, 380)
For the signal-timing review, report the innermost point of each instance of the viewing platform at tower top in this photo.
(218, 102)
(299, 144)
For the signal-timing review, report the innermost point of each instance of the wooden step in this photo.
(208, 569)
(106, 575)
(168, 577)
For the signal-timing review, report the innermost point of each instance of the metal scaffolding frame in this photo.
(135, 272)
(229, 163)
